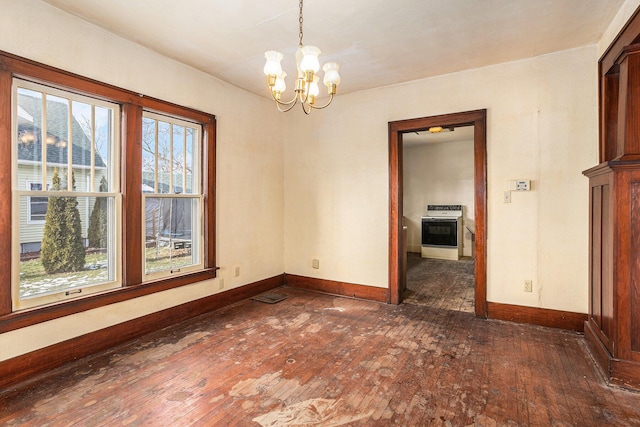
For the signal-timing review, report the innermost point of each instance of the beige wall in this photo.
(440, 174)
(542, 118)
(249, 148)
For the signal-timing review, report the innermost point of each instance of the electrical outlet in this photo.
(221, 284)
(315, 263)
(528, 285)
(507, 196)
(236, 271)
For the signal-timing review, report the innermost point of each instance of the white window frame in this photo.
(197, 237)
(115, 256)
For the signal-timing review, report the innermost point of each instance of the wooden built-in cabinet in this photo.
(613, 327)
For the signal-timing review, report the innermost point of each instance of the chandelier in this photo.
(306, 89)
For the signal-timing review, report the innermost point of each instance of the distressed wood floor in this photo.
(321, 360)
(440, 283)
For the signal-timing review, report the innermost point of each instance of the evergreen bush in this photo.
(62, 249)
(97, 233)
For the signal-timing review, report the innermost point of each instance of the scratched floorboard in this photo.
(439, 283)
(321, 360)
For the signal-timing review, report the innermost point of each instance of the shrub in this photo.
(62, 249)
(97, 233)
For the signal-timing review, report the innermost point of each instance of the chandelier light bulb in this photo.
(314, 90)
(280, 85)
(331, 74)
(272, 67)
(310, 60)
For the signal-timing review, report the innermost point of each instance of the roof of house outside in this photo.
(57, 129)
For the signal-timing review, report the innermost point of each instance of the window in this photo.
(172, 198)
(67, 141)
(107, 195)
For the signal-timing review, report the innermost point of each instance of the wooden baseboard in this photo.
(537, 316)
(371, 293)
(623, 373)
(598, 350)
(37, 362)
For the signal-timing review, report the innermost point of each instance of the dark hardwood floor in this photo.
(440, 283)
(322, 360)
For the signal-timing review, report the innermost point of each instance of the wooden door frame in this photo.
(477, 118)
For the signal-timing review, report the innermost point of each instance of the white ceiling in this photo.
(376, 42)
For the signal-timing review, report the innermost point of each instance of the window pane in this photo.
(171, 230)
(29, 133)
(189, 165)
(178, 159)
(164, 157)
(148, 155)
(103, 145)
(82, 130)
(57, 138)
(58, 260)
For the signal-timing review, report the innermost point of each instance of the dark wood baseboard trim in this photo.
(598, 351)
(537, 316)
(37, 362)
(623, 373)
(371, 293)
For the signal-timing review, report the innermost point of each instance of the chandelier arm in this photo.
(306, 97)
(324, 106)
(279, 102)
(290, 105)
(307, 112)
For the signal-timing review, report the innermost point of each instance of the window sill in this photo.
(32, 316)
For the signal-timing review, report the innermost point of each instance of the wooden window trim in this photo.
(132, 105)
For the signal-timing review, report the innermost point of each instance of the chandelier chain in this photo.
(300, 21)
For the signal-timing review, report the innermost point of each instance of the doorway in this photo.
(397, 254)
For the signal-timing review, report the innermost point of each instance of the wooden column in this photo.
(628, 110)
(6, 142)
(613, 327)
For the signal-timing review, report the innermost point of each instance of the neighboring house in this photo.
(30, 151)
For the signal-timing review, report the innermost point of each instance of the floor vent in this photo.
(269, 297)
